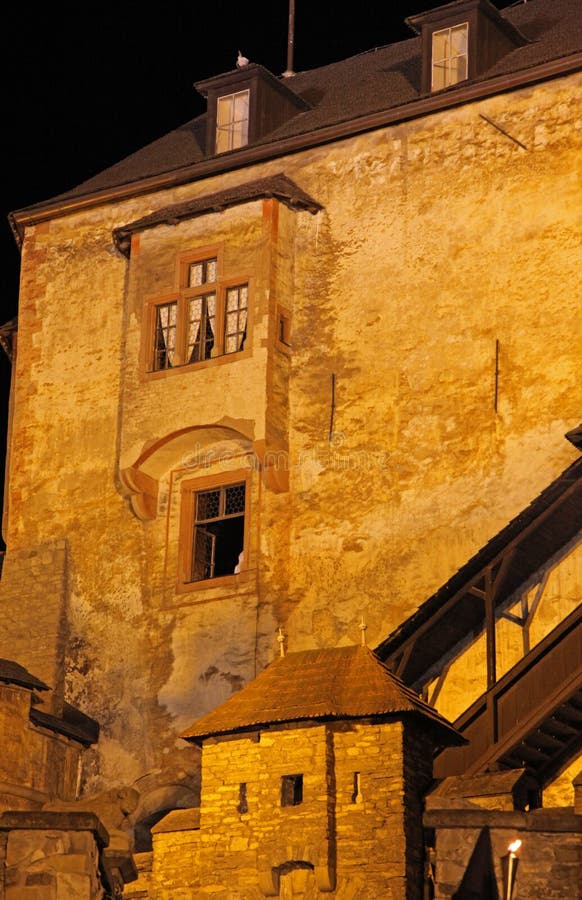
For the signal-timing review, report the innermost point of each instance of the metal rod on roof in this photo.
(290, 40)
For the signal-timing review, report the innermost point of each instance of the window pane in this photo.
(235, 499)
(218, 538)
(458, 40)
(203, 555)
(202, 272)
(201, 327)
(241, 106)
(224, 110)
(449, 56)
(165, 336)
(232, 119)
(211, 270)
(207, 505)
(236, 318)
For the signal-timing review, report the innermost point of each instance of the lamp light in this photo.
(509, 864)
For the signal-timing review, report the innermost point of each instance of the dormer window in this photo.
(244, 106)
(449, 56)
(232, 121)
(462, 41)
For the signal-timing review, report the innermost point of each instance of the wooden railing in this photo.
(527, 696)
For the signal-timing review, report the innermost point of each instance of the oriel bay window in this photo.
(205, 318)
(213, 528)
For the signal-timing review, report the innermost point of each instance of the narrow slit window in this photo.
(357, 788)
(165, 335)
(243, 806)
(235, 327)
(291, 790)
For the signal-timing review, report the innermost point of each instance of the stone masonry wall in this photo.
(33, 599)
(35, 764)
(438, 237)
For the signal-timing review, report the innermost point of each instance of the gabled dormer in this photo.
(461, 41)
(245, 105)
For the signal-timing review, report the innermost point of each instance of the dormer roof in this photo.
(320, 685)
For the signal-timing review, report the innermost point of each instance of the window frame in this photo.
(182, 295)
(447, 59)
(189, 489)
(230, 129)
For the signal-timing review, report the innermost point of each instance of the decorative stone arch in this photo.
(274, 863)
(158, 795)
(197, 446)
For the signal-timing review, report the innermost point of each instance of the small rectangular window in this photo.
(291, 790)
(165, 335)
(449, 56)
(219, 527)
(235, 326)
(243, 806)
(232, 121)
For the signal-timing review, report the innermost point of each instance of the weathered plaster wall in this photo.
(35, 764)
(438, 237)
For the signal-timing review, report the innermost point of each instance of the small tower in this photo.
(315, 773)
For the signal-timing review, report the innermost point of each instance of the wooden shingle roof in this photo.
(335, 683)
(13, 673)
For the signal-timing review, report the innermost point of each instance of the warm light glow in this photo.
(514, 847)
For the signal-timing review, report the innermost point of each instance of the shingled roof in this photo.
(372, 89)
(335, 683)
(13, 673)
(278, 186)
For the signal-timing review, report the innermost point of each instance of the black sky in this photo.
(84, 85)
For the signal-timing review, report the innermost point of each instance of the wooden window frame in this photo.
(449, 28)
(189, 489)
(230, 130)
(181, 295)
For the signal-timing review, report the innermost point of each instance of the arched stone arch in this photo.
(273, 863)
(195, 446)
(159, 793)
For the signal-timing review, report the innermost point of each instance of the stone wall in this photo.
(51, 856)
(33, 597)
(355, 830)
(36, 765)
(438, 238)
(550, 857)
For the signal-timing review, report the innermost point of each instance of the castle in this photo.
(306, 368)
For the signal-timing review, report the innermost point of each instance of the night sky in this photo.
(84, 86)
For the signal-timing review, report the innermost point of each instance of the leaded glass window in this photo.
(218, 539)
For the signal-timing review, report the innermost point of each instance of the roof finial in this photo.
(241, 61)
(281, 640)
(363, 628)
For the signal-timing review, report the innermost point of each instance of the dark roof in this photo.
(533, 537)
(72, 723)
(13, 673)
(335, 683)
(354, 92)
(278, 186)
